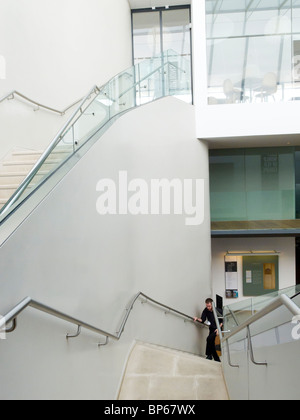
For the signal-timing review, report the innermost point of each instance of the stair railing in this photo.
(79, 111)
(282, 300)
(129, 86)
(12, 95)
(11, 317)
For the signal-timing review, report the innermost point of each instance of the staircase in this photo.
(164, 75)
(158, 373)
(17, 165)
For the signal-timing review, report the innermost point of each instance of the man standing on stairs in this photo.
(208, 315)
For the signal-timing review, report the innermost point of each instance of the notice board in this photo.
(260, 275)
(231, 277)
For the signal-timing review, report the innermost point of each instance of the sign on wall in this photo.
(231, 277)
(260, 275)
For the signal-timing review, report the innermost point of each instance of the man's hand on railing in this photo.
(198, 320)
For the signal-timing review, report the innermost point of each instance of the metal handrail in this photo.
(14, 93)
(29, 302)
(47, 152)
(68, 125)
(282, 300)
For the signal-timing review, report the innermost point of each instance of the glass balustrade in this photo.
(261, 361)
(165, 75)
(237, 313)
(253, 51)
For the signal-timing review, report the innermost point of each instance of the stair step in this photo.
(39, 154)
(159, 373)
(14, 178)
(26, 167)
(19, 173)
(12, 174)
(63, 148)
(6, 194)
(14, 170)
(27, 152)
(18, 177)
(24, 156)
(29, 162)
(9, 187)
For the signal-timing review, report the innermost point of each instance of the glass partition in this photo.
(146, 35)
(253, 184)
(253, 51)
(237, 313)
(161, 29)
(177, 32)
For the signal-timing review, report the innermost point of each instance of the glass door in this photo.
(166, 31)
(146, 36)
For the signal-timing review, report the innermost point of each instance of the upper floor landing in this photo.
(247, 67)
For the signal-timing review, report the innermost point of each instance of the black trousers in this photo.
(211, 346)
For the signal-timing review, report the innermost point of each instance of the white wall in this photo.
(287, 262)
(69, 257)
(242, 120)
(21, 127)
(55, 51)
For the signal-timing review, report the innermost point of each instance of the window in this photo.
(253, 51)
(253, 184)
(146, 35)
(161, 32)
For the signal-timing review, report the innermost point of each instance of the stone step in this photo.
(6, 191)
(15, 168)
(26, 155)
(158, 373)
(7, 178)
(35, 155)
(9, 187)
(24, 166)
(40, 152)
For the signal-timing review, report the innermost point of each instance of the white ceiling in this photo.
(141, 4)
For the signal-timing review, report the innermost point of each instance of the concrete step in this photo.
(7, 191)
(15, 168)
(7, 178)
(24, 166)
(34, 156)
(58, 149)
(2, 202)
(9, 187)
(50, 160)
(26, 155)
(158, 373)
